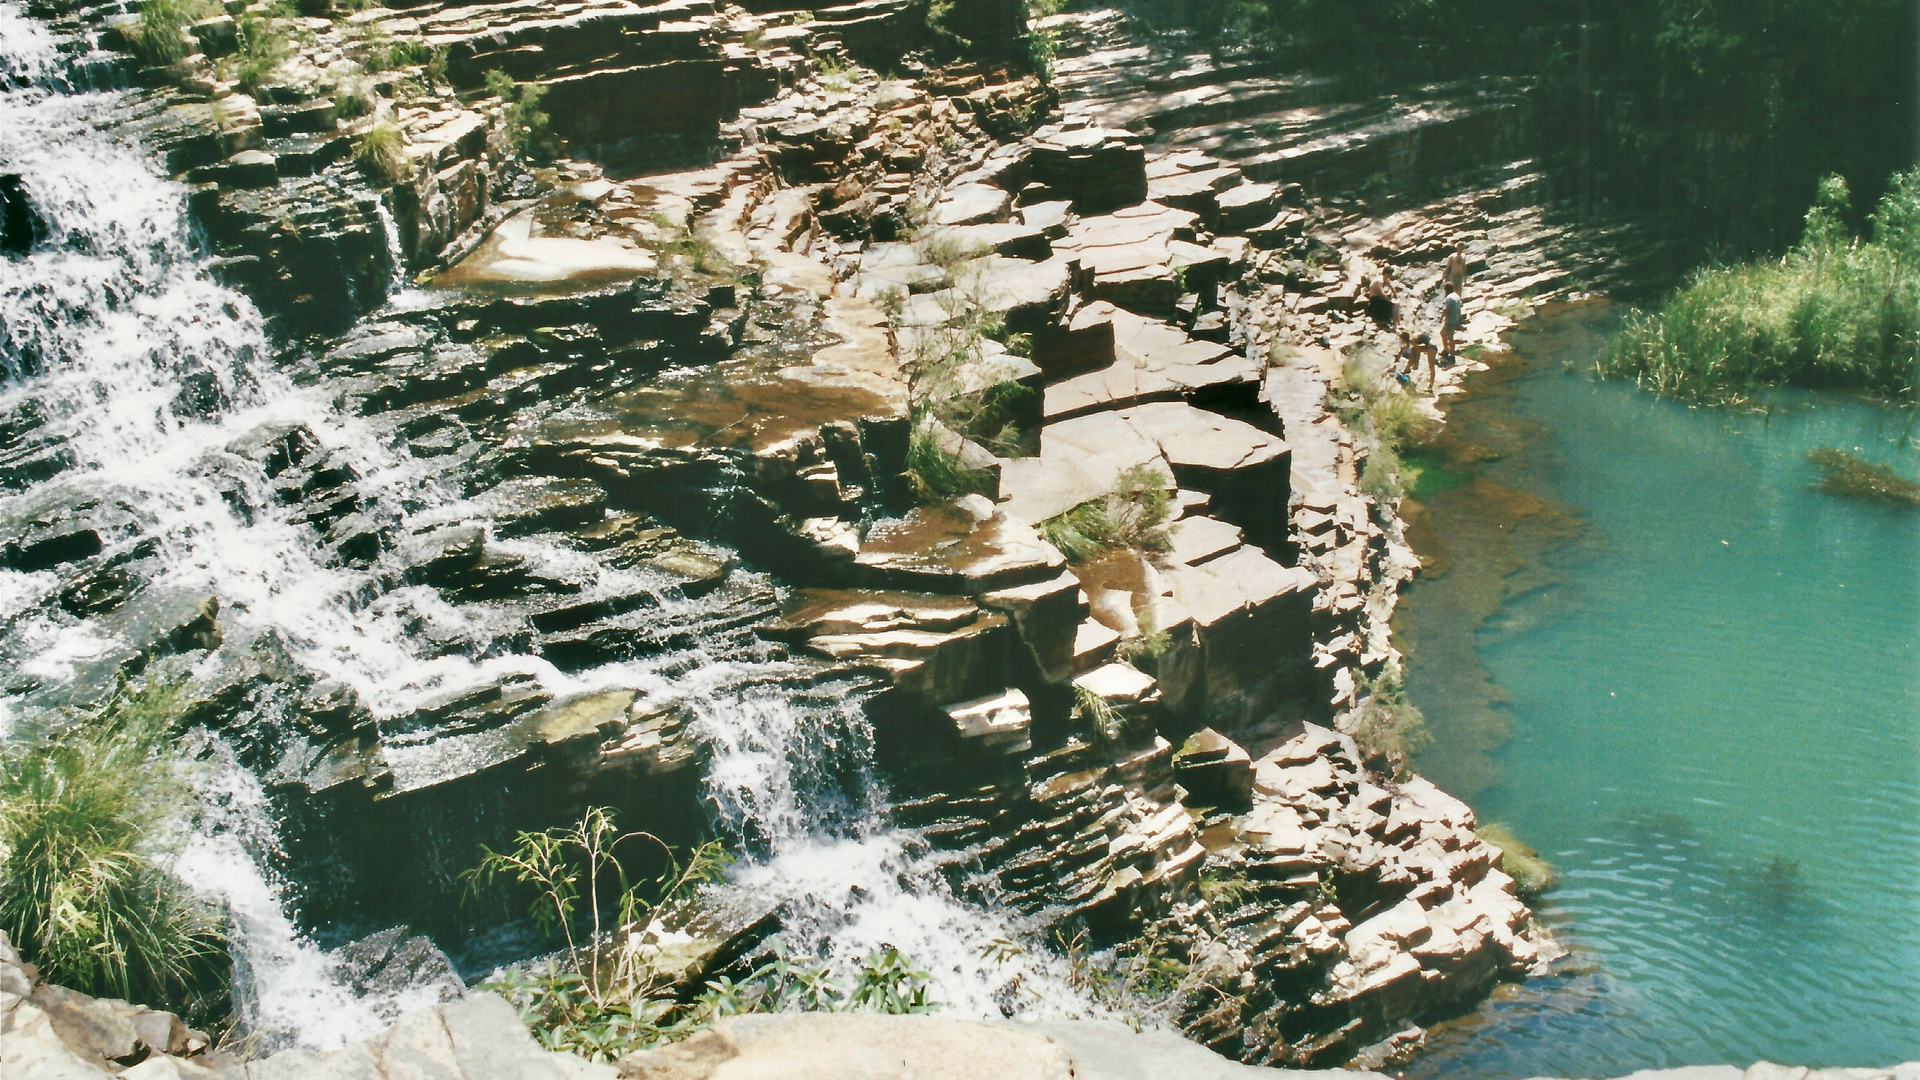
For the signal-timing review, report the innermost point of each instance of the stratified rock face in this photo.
(626, 369)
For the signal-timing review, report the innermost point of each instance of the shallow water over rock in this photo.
(1689, 678)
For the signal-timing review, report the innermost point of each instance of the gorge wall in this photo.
(606, 480)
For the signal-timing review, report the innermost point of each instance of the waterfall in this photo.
(792, 781)
(131, 375)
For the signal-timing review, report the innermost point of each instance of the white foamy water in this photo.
(794, 781)
(287, 990)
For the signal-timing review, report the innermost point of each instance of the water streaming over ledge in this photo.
(136, 372)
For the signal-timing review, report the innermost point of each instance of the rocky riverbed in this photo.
(669, 401)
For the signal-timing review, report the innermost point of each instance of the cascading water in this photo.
(131, 376)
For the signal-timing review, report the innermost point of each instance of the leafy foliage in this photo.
(1387, 417)
(524, 129)
(1389, 728)
(1835, 311)
(1132, 515)
(84, 817)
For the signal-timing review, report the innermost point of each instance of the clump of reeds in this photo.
(1836, 311)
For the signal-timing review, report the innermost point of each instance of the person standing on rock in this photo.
(1454, 277)
(1380, 299)
(1450, 321)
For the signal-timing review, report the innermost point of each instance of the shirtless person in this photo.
(1454, 277)
(1380, 299)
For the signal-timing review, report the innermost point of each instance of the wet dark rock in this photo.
(20, 225)
(396, 961)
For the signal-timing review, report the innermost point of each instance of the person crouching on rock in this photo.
(1380, 299)
(1412, 352)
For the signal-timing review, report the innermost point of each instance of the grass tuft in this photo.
(937, 474)
(160, 36)
(1132, 515)
(83, 816)
(382, 154)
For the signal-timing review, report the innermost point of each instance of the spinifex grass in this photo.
(1833, 312)
(84, 813)
(1132, 515)
(160, 35)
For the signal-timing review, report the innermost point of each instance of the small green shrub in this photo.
(1847, 475)
(1042, 47)
(524, 129)
(160, 35)
(1531, 874)
(353, 98)
(1132, 515)
(381, 153)
(1389, 729)
(603, 1001)
(83, 816)
(1225, 887)
(1387, 418)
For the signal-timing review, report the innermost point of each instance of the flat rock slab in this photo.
(973, 204)
(957, 549)
(1082, 458)
(813, 612)
(518, 257)
(1151, 362)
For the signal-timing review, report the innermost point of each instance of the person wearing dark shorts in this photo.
(1380, 299)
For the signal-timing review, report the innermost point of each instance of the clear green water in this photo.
(1708, 676)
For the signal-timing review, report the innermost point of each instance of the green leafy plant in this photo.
(1386, 417)
(524, 129)
(1389, 729)
(1132, 515)
(381, 153)
(85, 813)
